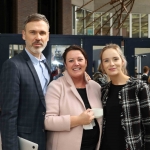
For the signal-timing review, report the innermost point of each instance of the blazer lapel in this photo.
(35, 76)
(75, 92)
(73, 88)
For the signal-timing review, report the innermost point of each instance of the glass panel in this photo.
(57, 65)
(135, 25)
(97, 74)
(89, 19)
(96, 58)
(80, 21)
(106, 24)
(144, 25)
(15, 49)
(97, 23)
(115, 26)
(125, 26)
(142, 56)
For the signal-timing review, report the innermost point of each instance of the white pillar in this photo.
(130, 25)
(139, 67)
(139, 25)
(148, 25)
(75, 28)
(111, 21)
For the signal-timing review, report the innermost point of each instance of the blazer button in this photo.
(43, 130)
(43, 113)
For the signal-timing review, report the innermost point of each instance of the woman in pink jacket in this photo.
(70, 122)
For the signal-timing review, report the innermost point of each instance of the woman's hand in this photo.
(84, 118)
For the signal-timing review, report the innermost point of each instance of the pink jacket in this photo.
(63, 101)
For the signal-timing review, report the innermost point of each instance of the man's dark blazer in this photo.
(22, 103)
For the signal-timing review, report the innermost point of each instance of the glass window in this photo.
(80, 22)
(89, 20)
(15, 49)
(141, 60)
(57, 64)
(100, 23)
(125, 26)
(97, 23)
(106, 24)
(96, 60)
(144, 25)
(115, 25)
(135, 25)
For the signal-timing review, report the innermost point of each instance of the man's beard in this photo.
(37, 50)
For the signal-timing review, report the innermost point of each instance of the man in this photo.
(24, 79)
(145, 74)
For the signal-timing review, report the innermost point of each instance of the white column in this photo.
(139, 25)
(73, 20)
(111, 21)
(75, 26)
(148, 25)
(130, 25)
(138, 66)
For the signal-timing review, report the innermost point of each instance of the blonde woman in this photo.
(126, 104)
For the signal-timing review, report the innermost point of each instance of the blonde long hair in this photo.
(119, 51)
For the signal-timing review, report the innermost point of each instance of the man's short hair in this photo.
(145, 69)
(36, 17)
